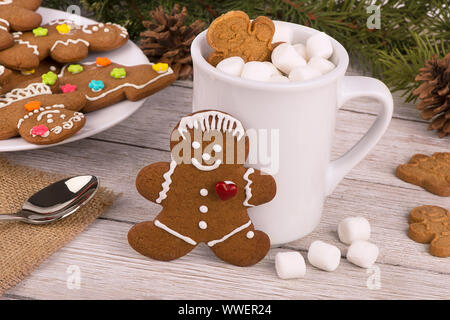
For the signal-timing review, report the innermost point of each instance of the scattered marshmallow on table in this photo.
(256, 70)
(283, 33)
(290, 265)
(321, 64)
(304, 73)
(232, 66)
(362, 253)
(285, 58)
(301, 50)
(324, 256)
(319, 45)
(353, 228)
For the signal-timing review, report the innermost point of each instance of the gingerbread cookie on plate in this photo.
(39, 116)
(205, 192)
(17, 15)
(63, 41)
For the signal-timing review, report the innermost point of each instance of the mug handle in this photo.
(353, 87)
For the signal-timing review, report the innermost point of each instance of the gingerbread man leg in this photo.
(440, 246)
(69, 50)
(244, 248)
(156, 243)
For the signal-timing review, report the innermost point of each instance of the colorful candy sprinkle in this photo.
(28, 72)
(96, 85)
(63, 28)
(40, 130)
(68, 88)
(32, 105)
(118, 73)
(40, 32)
(103, 62)
(75, 68)
(160, 67)
(49, 78)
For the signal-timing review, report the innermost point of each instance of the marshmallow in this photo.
(362, 253)
(274, 70)
(353, 228)
(301, 50)
(322, 65)
(324, 256)
(319, 45)
(282, 33)
(285, 58)
(290, 265)
(256, 70)
(304, 73)
(232, 66)
(279, 78)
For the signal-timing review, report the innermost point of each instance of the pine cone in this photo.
(434, 93)
(168, 39)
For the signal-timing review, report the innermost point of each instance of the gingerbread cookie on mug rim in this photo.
(233, 34)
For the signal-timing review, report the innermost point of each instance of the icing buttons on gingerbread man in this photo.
(204, 193)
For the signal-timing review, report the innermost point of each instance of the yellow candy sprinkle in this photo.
(28, 72)
(63, 28)
(160, 67)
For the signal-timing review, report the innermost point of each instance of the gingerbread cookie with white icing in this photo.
(39, 116)
(63, 41)
(18, 79)
(17, 15)
(205, 192)
(104, 83)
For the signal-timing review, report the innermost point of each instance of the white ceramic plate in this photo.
(100, 120)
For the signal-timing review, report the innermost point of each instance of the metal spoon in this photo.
(57, 201)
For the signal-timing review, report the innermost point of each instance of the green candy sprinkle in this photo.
(75, 68)
(49, 78)
(118, 73)
(40, 32)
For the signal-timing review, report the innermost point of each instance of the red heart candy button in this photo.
(226, 190)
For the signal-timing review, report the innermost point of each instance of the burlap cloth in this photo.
(22, 246)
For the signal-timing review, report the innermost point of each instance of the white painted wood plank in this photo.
(112, 270)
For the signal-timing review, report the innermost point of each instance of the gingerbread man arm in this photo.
(22, 19)
(150, 180)
(69, 50)
(263, 188)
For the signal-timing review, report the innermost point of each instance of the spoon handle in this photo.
(9, 217)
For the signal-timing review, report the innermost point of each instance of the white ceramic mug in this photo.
(304, 113)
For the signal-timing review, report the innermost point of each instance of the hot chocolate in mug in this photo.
(301, 115)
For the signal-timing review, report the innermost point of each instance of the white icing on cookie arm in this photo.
(247, 188)
(153, 181)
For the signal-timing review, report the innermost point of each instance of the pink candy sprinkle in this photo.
(68, 88)
(39, 130)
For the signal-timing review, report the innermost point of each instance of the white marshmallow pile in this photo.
(290, 265)
(289, 62)
(324, 256)
(355, 231)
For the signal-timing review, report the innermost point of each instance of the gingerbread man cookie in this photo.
(431, 224)
(17, 79)
(63, 41)
(232, 34)
(104, 83)
(431, 173)
(205, 192)
(17, 15)
(5, 78)
(39, 116)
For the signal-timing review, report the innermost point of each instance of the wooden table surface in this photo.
(110, 269)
